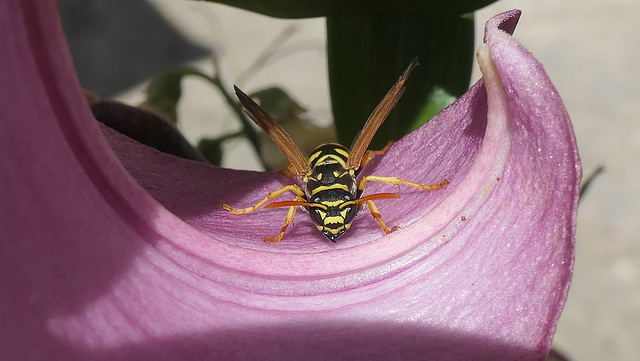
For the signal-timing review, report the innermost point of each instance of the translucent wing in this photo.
(376, 118)
(299, 161)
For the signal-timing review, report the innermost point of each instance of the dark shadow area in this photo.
(332, 340)
(117, 44)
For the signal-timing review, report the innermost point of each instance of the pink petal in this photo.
(129, 256)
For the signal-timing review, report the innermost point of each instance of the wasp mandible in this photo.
(332, 196)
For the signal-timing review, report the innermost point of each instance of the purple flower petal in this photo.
(112, 250)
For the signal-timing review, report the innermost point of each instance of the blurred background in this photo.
(589, 49)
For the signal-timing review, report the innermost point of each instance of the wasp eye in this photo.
(317, 215)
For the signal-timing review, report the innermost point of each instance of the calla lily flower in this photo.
(111, 250)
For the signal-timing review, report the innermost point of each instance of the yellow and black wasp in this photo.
(332, 195)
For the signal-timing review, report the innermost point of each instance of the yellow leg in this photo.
(287, 221)
(390, 180)
(273, 195)
(289, 171)
(370, 154)
(376, 215)
(398, 181)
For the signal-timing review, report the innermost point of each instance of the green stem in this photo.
(247, 127)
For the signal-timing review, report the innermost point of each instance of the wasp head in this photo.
(333, 216)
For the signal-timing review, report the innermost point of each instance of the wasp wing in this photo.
(276, 132)
(361, 143)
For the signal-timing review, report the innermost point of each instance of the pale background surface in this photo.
(590, 50)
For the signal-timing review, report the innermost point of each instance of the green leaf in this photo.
(211, 149)
(292, 9)
(437, 100)
(367, 54)
(278, 103)
(164, 92)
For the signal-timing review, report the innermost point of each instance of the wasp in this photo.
(332, 196)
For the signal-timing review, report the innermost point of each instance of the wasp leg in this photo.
(376, 215)
(374, 210)
(287, 221)
(289, 171)
(370, 154)
(390, 180)
(398, 181)
(273, 195)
